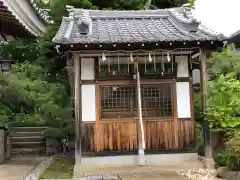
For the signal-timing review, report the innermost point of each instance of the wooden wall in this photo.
(116, 135)
(121, 136)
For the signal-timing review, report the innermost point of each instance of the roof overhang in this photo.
(207, 45)
(130, 30)
(20, 19)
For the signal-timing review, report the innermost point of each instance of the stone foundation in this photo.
(117, 164)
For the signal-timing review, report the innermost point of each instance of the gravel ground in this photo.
(200, 174)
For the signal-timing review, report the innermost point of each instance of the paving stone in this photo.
(101, 177)
(17, 168)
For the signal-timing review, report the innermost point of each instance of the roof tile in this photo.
(136, 26)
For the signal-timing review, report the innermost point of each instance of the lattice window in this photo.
(157, 101)
(120, 102)
(117, 102)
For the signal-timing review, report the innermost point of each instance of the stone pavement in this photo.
(18, 167)
(139, 176)
(149, 172)
(153, 176)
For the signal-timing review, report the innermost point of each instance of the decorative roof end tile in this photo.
(84, 22)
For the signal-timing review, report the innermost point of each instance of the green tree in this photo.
(223, 63)
(224, 102)
(168, 3)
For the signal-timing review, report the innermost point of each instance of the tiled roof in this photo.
(42, 13)
(163, 25)
(23, 17)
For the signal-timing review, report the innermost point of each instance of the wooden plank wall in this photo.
(88, 137)
(118, 136)
(159, 134)
(121, 135)
(186, 133)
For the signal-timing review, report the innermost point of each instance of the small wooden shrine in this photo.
(132, 81)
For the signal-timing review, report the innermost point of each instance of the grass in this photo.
(61, 168)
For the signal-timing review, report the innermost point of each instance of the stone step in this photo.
(25, 134)
(28, 151)
(27, 138)
(37, 144)
(28, 129)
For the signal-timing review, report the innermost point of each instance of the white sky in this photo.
(222, 16)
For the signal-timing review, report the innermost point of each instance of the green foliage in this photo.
(169, 3)
(222, 159)
(223, 92)
(225, 62)
(191, 3)
(197, 108)
(31, 120)
(199, 139)
(59, 130)
(223, 101)
(5, 114)
(19, 50)
(233, 149)
(30, 97)
(231, 156)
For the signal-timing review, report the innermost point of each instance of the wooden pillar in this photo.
(140, 125)
(208, 162)
(175, 114)
(78, 109)
(98, 115)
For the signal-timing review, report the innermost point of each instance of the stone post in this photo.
(7, 146)
(2, 145)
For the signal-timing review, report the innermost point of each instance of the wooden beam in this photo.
(206, 44)
(78, 109)
(175, 114)
(208, 162)
(98, 116)
(6, 19)
(98, 53)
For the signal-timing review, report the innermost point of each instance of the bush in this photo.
(223, 102)
(55, 134)
(230, 157)
(233, 149)
(200, 139)
(22, 119)
(197, 108)
(63, 129)
(199, 129)
(222, 159)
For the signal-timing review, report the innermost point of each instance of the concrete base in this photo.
(117, 164)
(161, 159)
(209, 163)
(141, 157)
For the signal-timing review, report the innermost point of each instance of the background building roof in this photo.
(22, 18)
